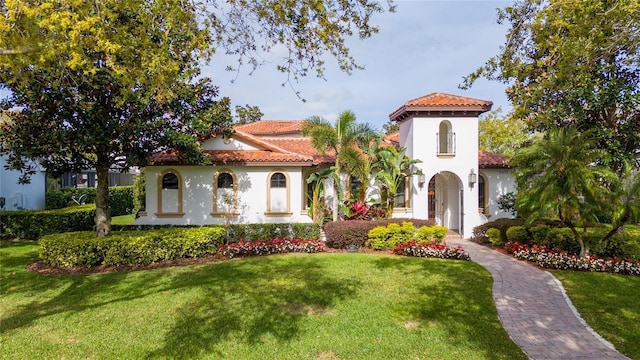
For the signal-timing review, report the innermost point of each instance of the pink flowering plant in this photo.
(556, 259)
(273, 246)
(426, 249)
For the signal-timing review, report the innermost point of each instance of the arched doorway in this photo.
(445, 200)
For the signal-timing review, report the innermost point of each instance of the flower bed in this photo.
(438, 250)
(273, 246)
(555, 259)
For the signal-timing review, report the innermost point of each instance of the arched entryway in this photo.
(446, 201)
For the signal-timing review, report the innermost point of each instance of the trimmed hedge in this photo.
(247, 232)
(129, 247)
(356, 232)
(33, 224)
(267, 231)
(120, 198)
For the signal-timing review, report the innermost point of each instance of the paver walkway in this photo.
(535, 310)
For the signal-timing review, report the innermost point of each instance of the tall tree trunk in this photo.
(336, 189)
(103, 217)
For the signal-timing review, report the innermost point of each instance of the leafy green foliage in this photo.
(129, 247)
(573, 64)
(110, 84)
(393, 167)
(356, 232)
(558, 176)
(139, 191)
(480, 231)
(247, 114)
(494, 236)
(120, 198)
(342, 140)
(518, 234)
(33, 224)
(501, 134)
(266, 231)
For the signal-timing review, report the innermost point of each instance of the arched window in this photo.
(169, 194)
(225, 194)
(401, 198)
(446, 138)
(483, 206)
(278, 194)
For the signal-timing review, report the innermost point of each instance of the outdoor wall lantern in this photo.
(421, 179)
(473, 178)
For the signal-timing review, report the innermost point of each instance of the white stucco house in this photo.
(259, 175)
(21, 196)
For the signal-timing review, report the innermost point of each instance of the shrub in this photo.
(356, 232)
(518, 234)
(439, 233)
(129, 247)
(480, 232)
(62, 198)
(139, 191)
(494, 236)
(120, 198)
(33, 224)
(425, 233)
(305, 231)
(378, 237)
(539, 234)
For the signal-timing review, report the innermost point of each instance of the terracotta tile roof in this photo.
(393, 138)
(235, 157)
(302, 146)
(492, 160)
(272, 127)
(441, 103)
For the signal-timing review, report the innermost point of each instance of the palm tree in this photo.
(559, 175)
(345, 134)
(360, 162)
(393, 166)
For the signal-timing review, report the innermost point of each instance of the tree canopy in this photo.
(103, 83)
(501, 134)
(573, 63)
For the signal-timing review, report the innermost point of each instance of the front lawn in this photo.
(609, 304)
(320, 306)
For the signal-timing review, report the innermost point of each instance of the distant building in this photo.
(14, 196)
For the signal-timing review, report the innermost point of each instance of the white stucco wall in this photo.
(197, 194)
(422, 139)
(27, 196)
(500, 182)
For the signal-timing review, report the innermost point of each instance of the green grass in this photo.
(321, 306)
(610, 304)
(128, 219)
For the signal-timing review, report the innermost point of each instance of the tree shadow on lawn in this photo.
(81, 292)
(457, 298)
(249, 301)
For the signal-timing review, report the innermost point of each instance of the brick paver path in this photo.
(535, 311)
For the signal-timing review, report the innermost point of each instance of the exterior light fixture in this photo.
(421, 179)
(473, 178)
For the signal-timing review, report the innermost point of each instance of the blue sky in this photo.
(425, 46)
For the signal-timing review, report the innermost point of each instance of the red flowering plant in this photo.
(556, 259)
(273, 246)
(424, 249)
